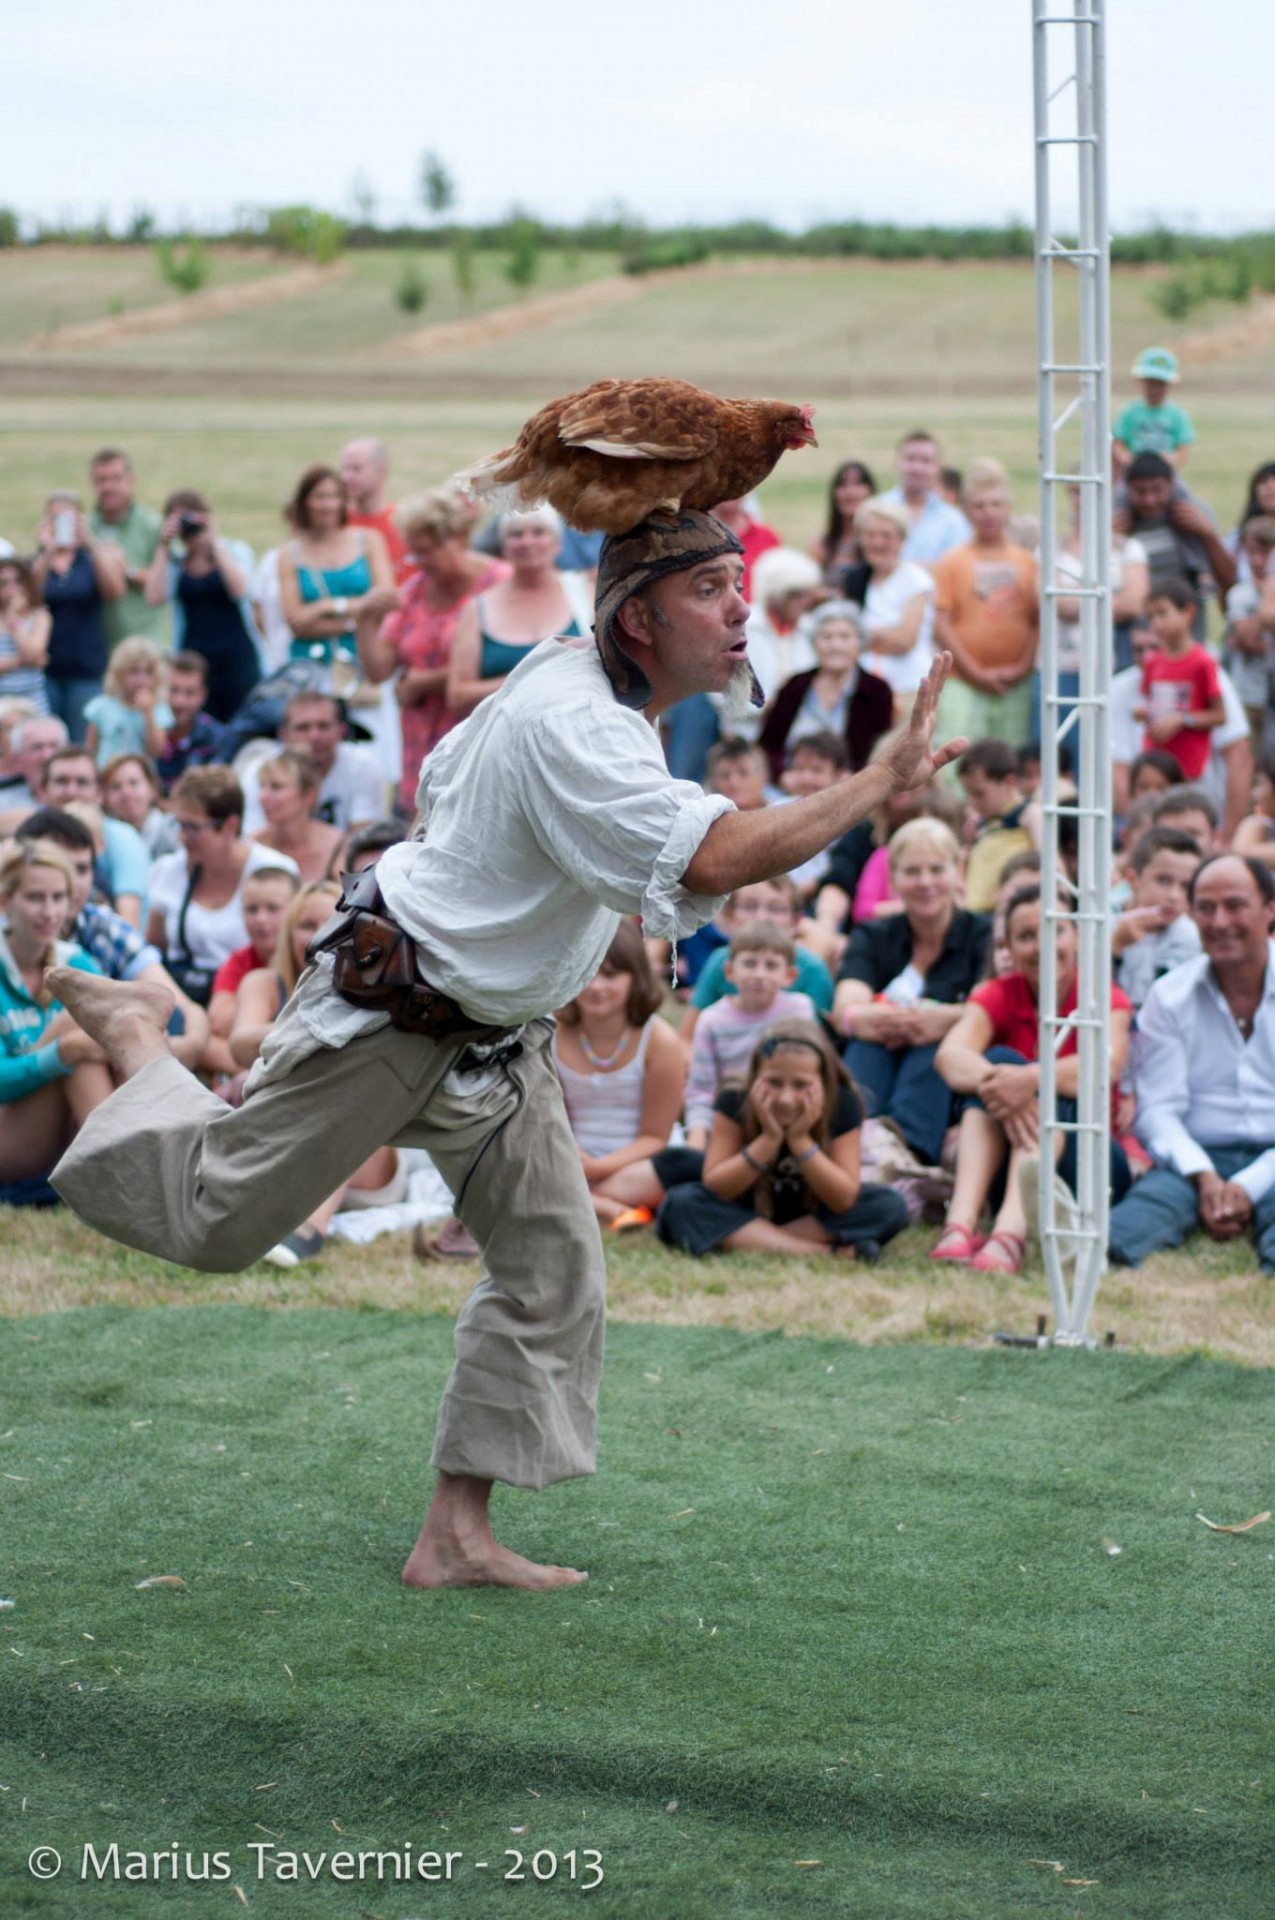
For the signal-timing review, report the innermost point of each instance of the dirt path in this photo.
(212, 305)
(524, 316)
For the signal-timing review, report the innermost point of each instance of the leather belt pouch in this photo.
(374, 965)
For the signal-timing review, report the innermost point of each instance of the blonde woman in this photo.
(261, 998)
(51, 1074)
(288, 788)
(901, 983)
(130, 715)
(412, 631)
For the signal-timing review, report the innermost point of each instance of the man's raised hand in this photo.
(914, 760)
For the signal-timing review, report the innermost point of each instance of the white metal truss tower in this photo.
(1069, 69)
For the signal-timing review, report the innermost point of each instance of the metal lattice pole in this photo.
(1075, 404)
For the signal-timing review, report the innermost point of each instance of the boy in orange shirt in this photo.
(987, 615)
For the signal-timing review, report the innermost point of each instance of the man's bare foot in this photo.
(127, 1018)
(456, 1547)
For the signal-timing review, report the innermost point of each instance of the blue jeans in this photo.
(68, 699)
(902, 1086)
(1163, 1208)
(690, 729)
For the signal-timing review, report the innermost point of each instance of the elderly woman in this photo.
(901, 982)
(786, 585)
(196, 910)
(834, 696)
(534, 602)
(417, 636)
(898, 605)
(837, 549)
(208, 580)
(992, 1054)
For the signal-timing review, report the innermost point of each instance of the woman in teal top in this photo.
(330, 571)
(51, 1074)
(537, 602)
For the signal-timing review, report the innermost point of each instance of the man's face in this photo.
(113, 488)
(185, 696)
(316, 727)
(1149, 498)
(695, 623)
(1233, 919)
(40, 741)
(919, 466)
(74, 778)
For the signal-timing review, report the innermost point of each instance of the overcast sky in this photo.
(795, 110)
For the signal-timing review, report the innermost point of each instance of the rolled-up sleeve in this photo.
(1161, 1049)
(606, 809)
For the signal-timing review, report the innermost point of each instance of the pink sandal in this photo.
(1001, 1252)
(957, 1244)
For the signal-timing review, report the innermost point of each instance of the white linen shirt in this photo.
(1199, 1083)
(546, 816)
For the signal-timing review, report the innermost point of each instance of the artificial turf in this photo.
(853, 1643)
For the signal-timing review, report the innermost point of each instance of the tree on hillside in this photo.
(438, 189)
(363, 200)
(463, 264)
(522, 268)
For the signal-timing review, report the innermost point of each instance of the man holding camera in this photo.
(122, 521)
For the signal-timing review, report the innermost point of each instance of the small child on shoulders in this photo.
(1154, 424)
(782, 1171)
(761, 969)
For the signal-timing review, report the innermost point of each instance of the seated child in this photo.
(1005, 823)
(741, 772)
(1156, 932)
(781, 1174)
(761, 969)
(622, 1074)
(816, 762)
(265, 896)
(774, 901)
(1192, 810)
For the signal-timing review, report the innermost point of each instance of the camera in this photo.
(190, 524)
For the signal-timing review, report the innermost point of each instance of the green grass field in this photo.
(852, 1642)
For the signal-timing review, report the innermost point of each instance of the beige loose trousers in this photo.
(166, 1166)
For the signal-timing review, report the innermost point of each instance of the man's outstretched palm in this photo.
(913, 759)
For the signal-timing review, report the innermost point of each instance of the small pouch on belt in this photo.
(373, 960)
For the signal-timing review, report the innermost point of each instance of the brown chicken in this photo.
(620, 449)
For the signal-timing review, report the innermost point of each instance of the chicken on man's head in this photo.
(661, 544)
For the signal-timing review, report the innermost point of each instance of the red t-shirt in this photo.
(1182, 683)
(241, 963)
(1011, 1007)
(387, 526)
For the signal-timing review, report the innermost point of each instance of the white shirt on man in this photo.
(1199, 1083)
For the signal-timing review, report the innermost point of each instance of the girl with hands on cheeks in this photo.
(781, 1174)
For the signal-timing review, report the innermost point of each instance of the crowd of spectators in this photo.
(195, 743)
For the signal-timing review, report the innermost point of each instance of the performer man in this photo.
(544, 818)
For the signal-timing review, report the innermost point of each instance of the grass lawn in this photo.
(852, 1643)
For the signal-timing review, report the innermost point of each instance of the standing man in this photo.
(1204, 1077)
(365, 468)
(120, 520)
(1175, 531)
(545, 817)
(937, 526)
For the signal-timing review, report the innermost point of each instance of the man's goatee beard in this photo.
(737, 699)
